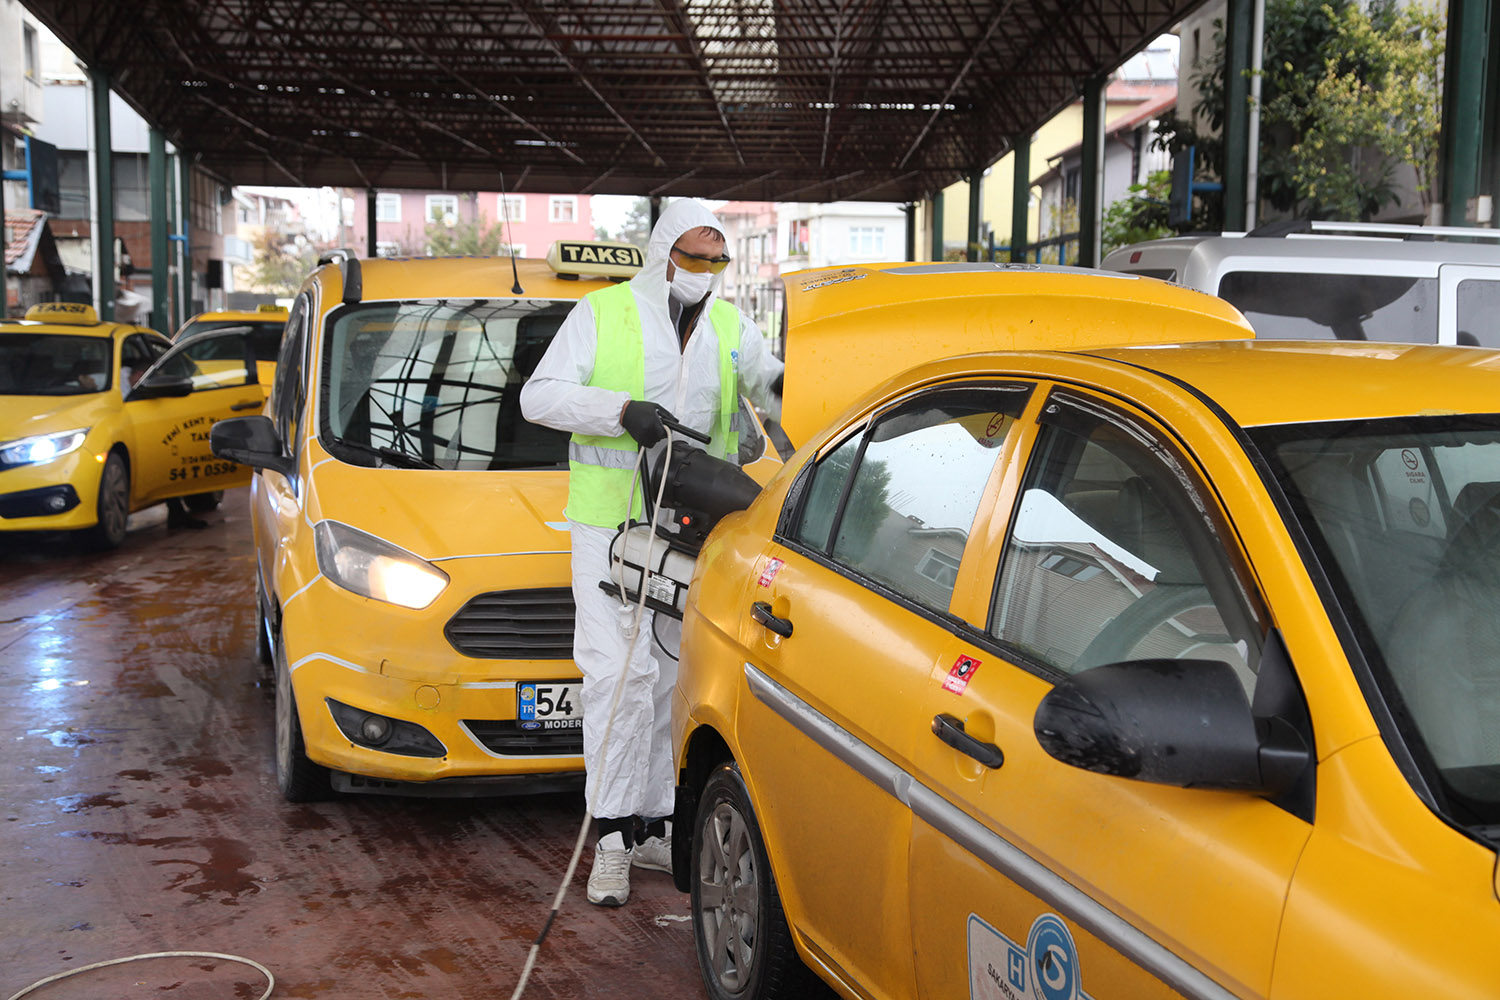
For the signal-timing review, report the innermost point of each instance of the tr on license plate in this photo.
(553, 705)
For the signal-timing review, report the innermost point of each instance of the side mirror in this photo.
(159, 386)
(251, 441)
(1172, 722)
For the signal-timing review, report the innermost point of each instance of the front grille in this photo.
(506, 736)
(515, 625)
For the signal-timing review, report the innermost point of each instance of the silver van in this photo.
(1341, 280)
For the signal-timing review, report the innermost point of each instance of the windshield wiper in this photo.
(392, 455)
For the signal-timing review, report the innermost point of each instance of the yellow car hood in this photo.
(442, 514)
(25, 416)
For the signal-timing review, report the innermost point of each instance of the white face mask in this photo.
(689, 287)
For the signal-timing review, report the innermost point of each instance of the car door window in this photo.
(1478, 307)
(218, 360)
(289, 391)
(896, 504)
(1114, 554)
(136, 355)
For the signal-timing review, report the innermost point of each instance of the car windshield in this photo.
(51, 364)
(1287, 305)
(436, 383)
(265, 335)
(1405, 516)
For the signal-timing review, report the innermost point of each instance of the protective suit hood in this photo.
(681, 216)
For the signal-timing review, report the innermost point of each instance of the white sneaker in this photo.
(609, 882)
(654, 853)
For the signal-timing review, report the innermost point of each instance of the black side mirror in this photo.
(159, 386)
(1172, 722)
(251, 441)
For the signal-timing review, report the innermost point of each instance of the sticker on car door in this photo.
(1045, 968)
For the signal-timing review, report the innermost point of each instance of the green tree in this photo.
(1140, 216)
(637, 225)
(472, 238)
(1348, 93)
(280, 262)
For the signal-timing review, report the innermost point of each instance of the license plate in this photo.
(550, 705)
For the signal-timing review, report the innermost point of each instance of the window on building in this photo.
(28, 34)
(866, 241)
(132, 188)
(563, 208)
(442, 208)
(511, 207)
(1071, 180)
(73, 183)
(798, 238)
(387, 208)
(387, 248)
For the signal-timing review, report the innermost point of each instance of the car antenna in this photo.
(515, 289)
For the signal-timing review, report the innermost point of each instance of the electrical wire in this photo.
(631, 632)
(270, 979)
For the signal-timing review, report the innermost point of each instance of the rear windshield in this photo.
(1282, 305)
(265, 335)
(437, 383)
(51, 364)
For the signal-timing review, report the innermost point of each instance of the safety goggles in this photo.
(698, 264)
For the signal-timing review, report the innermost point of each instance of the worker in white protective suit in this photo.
(659, 345)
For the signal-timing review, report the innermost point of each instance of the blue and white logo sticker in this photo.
(1045, 968)
(734, 359)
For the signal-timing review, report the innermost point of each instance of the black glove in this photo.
(642, 421)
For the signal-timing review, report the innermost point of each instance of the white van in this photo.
(1341, 280)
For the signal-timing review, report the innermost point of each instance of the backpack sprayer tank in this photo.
(700, 490)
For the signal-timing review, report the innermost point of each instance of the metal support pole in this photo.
(156, 166)
(937, 225)
(370, 243)
(4, 300)
(1238, 28)
(1252, 131)
(1020, 199)
(1463, 106)
(1090, 204)
(184, 237)
(655, 210)
(103, 198)
(971, 242)
(910, 211)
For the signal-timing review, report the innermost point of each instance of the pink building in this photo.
(535, 221)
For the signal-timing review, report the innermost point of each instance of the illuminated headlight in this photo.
(373, 567)
(42, 448)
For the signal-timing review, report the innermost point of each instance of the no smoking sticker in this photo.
(964, 668)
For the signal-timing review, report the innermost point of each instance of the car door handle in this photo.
(761, 612)
(950, 730)
(249, 404)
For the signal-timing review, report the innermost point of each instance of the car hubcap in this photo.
(112, 509)
(729, 903)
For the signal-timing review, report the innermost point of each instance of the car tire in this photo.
(113, 506)
(202, 503)
(298, 778)
(745, 950)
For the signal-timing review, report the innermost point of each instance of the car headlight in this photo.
(373, 567)
(41, 448)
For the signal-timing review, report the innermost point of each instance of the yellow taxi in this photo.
(266, 322)
(101, 419)
(412, 558)
(1091, 668)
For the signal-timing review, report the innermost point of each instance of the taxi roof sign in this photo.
(610, 259)
(270, 307)
(68, 313)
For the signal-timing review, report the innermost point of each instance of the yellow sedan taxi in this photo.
(1110, 671)
(101, 419)
(412, 559)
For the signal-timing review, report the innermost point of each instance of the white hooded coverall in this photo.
(634, 776)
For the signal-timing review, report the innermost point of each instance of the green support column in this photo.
(1489, 154)
(104, 196)
(370, 196)
(1464, 111)
(971, 243)
(937, 225)
(1238, 25)
(1020, 207)
(910, 211)
(185, 229)
(156, 167)
(1090, 217)
(655, 210)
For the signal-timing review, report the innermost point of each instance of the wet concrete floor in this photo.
(139, 813)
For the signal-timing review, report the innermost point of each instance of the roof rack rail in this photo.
(348, 262)
(1312, 227)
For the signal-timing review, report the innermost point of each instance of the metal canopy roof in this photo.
(785, 100)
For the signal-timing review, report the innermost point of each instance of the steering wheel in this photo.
(1119, 636)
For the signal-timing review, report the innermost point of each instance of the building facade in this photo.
(527, 222)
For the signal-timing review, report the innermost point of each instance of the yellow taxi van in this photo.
(412, 558)
(100, 419)
(1093, 668)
